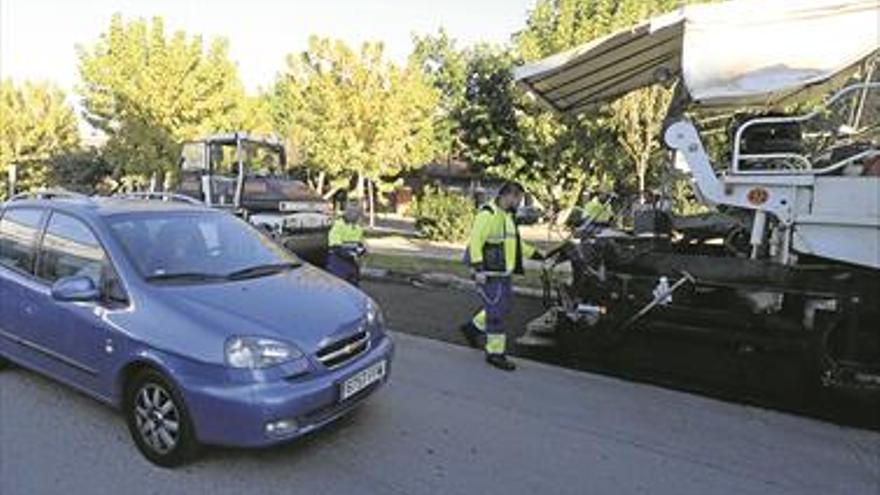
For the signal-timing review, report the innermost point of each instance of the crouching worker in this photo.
(495, 252)
(346, 242)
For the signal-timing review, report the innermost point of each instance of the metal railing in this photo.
(806, 166)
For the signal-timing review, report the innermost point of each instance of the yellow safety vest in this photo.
(598, 211)
(494, 227)
(345, 233)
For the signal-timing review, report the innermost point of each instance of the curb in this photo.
(438, 279)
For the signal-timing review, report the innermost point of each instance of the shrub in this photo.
(443, 216)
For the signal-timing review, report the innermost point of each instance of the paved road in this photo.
(448, 425)
(713, 368)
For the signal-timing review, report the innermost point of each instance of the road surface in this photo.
(714, 368)
(446, 424)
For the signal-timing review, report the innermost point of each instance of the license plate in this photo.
(362, 380)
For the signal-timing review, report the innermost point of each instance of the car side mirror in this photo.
(75, 289)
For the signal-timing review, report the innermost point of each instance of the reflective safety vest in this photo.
(495, 244)
(597, 211)
(345, 233)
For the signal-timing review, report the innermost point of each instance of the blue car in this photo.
(198, 327)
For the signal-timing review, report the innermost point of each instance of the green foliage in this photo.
(446, 68)
(488, 123)
(488, 118)
(37, 125)
(557, 160)
(638, 121)
(255, 115)
(84, 171)
(443, 216)
(352, 115)
(149, 92)
(684, 200)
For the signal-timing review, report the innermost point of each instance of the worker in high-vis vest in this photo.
(346, 242)
(495, 252)
(595, 215)
(599, 210)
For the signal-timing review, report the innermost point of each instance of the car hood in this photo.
(304, 306)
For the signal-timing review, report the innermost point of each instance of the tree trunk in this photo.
(359, 188)
(320, 185)
(642, 171)
(372, 201)
(642, 183)
(12, 173)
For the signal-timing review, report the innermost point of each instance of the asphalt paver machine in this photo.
(788, 254)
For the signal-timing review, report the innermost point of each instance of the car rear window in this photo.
(18, 236)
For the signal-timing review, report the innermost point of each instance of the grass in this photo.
(419, 265)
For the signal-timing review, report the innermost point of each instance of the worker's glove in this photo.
(539, 256)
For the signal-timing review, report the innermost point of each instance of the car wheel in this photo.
(158, 420)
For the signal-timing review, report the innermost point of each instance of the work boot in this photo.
(470, 335)
(501, 362)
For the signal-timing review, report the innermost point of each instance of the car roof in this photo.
(106, 206)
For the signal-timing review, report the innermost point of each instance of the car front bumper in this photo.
(237, 415)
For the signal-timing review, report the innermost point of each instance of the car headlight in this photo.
(259, 352)
(374, 316)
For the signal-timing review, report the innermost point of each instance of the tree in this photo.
(445, 67)
(255, 115)
(558, 159)
(354, 117)
(487, 119)
(492, 126)
(149, 92)
(83, 170)
(37, 125)
(638, 121)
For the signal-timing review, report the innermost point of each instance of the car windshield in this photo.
(193, 247)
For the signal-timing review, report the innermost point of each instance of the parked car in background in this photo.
(198, 326)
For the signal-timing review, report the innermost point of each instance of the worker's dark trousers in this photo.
(344, 267)
(497, 293)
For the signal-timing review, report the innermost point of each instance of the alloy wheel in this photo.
(157, 418)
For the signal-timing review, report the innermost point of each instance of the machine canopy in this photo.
(738, 53)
